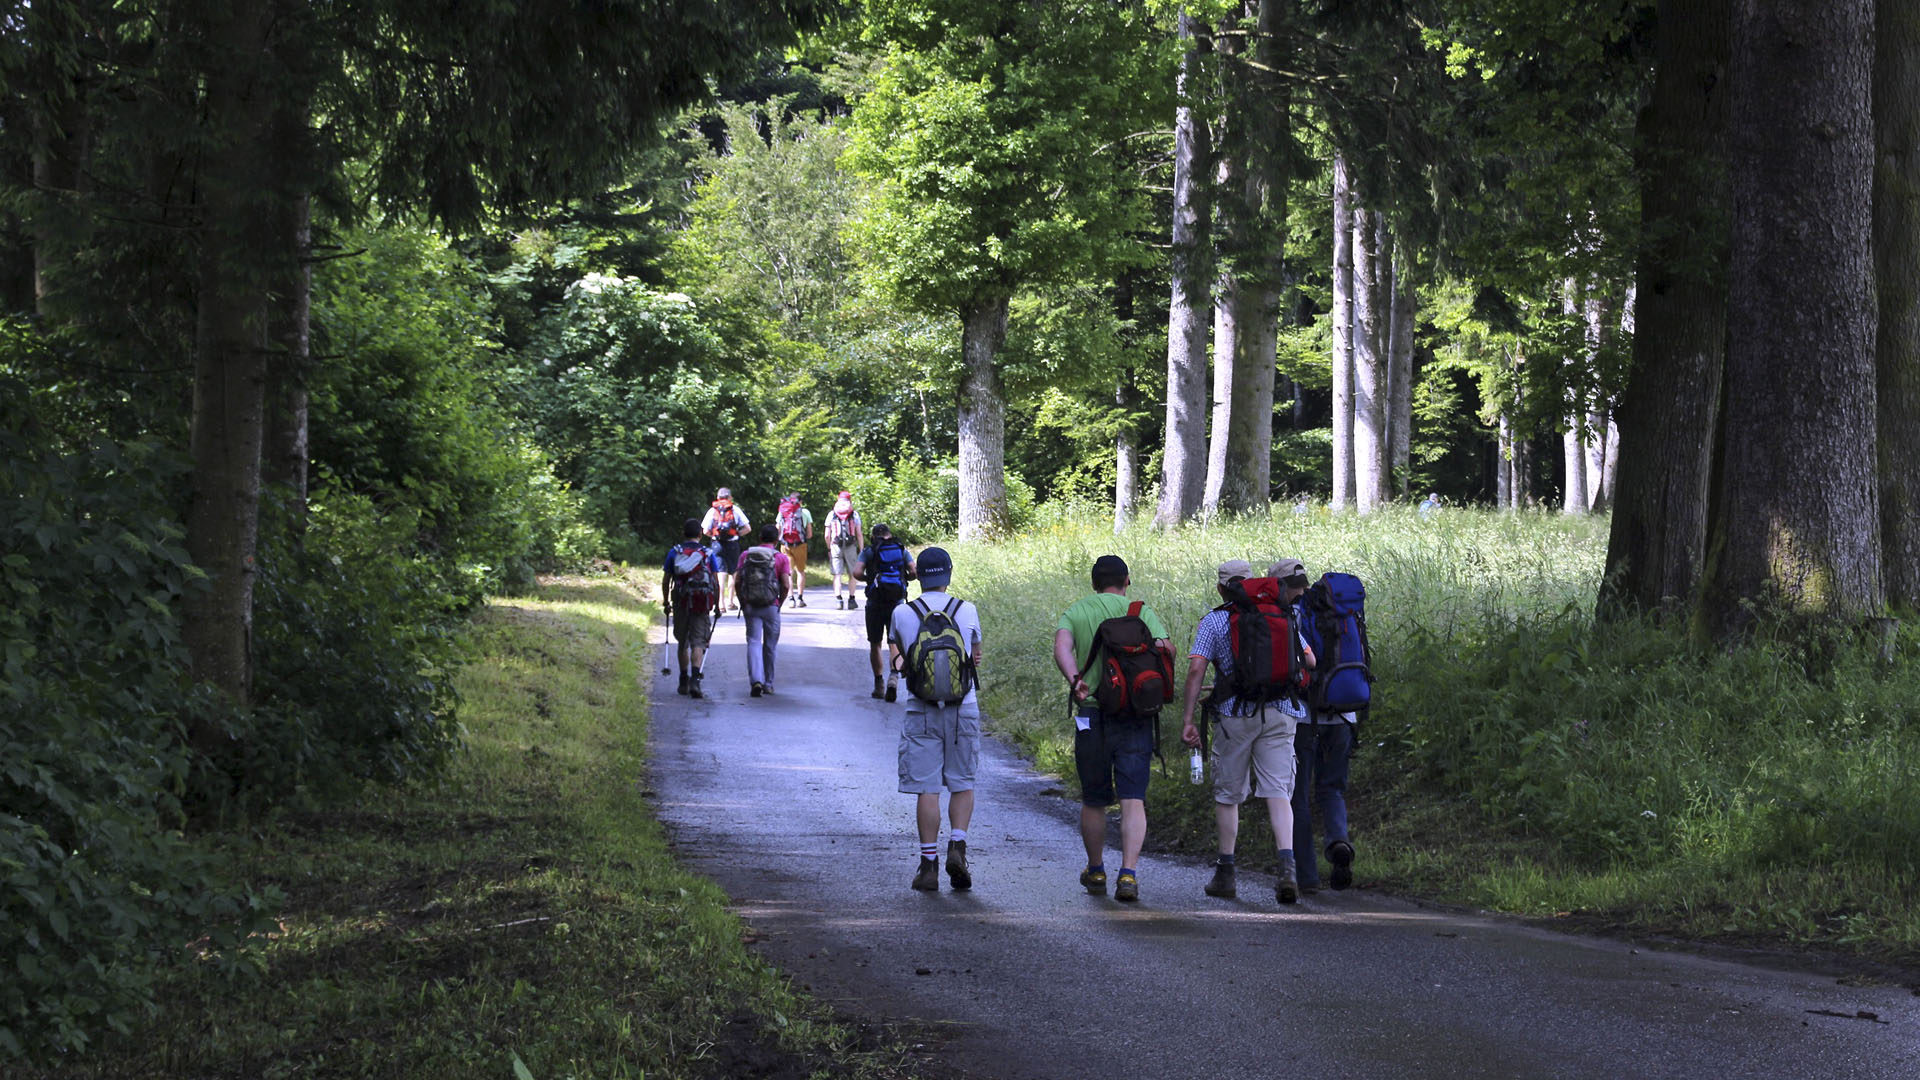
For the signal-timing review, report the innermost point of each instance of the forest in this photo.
(320, 324)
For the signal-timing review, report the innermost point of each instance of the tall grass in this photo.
(1523, 755)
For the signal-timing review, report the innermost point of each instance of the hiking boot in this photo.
(1287, 889)
(1222, 884)
(686, 683)
(756, 690)
(928, 879)
(878, 691)
(852, 604)
(1127, 888)
(957, 871)
(893, 691)
(693, 688)
(1094, 881)
(840, 603)
(1340, 854)
(767, 689)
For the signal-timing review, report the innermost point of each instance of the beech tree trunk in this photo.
(1669, 408)
(1573, 447)
(1503, 486)
(287, 440)
(1400, 380)
(1896, 238)
(1343, 478)
(1125, 464)
(1183, 469)
(1225, 347)
(1369, 367)
(982, 421)
(237, 243)
(1801, 521)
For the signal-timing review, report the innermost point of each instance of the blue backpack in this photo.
(887, 577)
(1336, 627)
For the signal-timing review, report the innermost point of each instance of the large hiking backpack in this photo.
(1267, 662)
(1336, 608)
(726, 522)
(694, 590)
(759, 585)
(939, 660)
(790, 531)
(1134, 678)
(840, 528)
(888, 574)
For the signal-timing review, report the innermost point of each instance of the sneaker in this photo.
(800, 602)
(693, 688)
(877, 690)
(1094, 881)
(957, 871)
(840, 603)
(893, 691)
(1222, 884)
(1287, 889)
(756, 690)
(1340, 854)
(686, 683)
(852, 604)
(928, 879)
(767, 689)
(1127, 888)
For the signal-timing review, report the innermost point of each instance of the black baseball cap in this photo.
(934, 567)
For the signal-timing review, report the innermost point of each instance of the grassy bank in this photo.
(1522, 757)
(525, 919)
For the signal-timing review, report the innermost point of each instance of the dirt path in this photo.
(789, 803)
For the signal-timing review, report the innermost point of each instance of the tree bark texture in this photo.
(1896, 239)
(1343, 482)
(285, 463)
(982, 421)
(1400, 379)
(1183, 470)
(1801, 517)
(1126, 466)
(1503, 487)
(1225, 346)
(237, 242)
(1594, 434)
(1369, 366)
(1669, 408)
(1573, 449)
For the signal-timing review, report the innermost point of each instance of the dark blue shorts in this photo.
(1113, 758)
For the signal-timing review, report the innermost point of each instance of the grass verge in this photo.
(1522, 756)
(524, 919)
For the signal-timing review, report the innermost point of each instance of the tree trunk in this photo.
(1801, 522)
(982, 421)
(1669, 409)
(62, 143)
(1183, 475)
(286, 441)
(1573, 447)
(1343, 480)
(1503, 487)
(1125, 452)
(1400, 380)
(238, 242)
(1369, 367)
(1896, 236)
(1225, 347)
(1593, 435)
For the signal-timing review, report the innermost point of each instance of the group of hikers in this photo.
(1289, 658)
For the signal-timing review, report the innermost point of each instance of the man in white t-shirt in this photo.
(939, 744)
(846, 536)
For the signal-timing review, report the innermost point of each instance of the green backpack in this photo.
(939, 662)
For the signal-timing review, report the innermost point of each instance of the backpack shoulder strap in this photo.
(1133, 609)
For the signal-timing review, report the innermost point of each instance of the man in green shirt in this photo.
(1112, 754)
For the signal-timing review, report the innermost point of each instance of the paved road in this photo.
(789, 803)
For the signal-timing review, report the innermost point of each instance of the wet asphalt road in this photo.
(789, 802)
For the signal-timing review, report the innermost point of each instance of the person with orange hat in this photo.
(845, 538)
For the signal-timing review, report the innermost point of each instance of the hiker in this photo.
(886, 567)
(845, 539)
(936, 645)
(759, 588)
(690, 583)
(726, 524)
(796, 532)
(1334, 626)
(1253, 642)
(1429, 504)
(1112, 652)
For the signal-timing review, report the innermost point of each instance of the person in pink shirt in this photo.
(760, 582)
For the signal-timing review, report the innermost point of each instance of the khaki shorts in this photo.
(797, 555)
(841, 557)
(1251, 752)
(939, 747)
(693, 629)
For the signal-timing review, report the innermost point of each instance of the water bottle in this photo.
(1197, 768)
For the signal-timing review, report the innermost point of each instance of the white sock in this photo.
(958, 834)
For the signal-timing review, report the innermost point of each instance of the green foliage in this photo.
(99, 891)
(920, 502)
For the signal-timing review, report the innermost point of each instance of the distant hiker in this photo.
(1429, 504)
(691, 586)
(726, 524)
(760, 587)
(845, 538)
(796, 532)
(1253, 642)
(936, 645)
(1119, 672)
(886, 567)
(1334, 622)
(1304, 506)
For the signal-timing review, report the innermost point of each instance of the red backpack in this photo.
(1134, 678)
(1267, 662)
(790, 532)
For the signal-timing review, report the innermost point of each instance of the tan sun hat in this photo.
(1235, 569)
